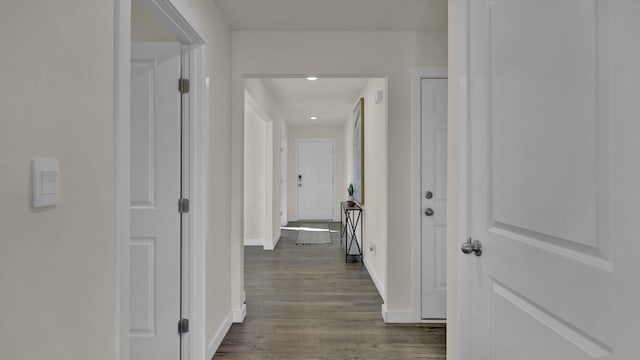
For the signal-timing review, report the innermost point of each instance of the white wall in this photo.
(380, 53)
(269, 111)
(57, 264)
(145, 26)
(314, 132)
(254, 181)
(57, 282)
(374, 215)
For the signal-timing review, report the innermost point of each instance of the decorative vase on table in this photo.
(350, 201)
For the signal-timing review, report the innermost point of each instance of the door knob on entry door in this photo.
(428, 212)
(472, 246)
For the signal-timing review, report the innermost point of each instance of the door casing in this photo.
(194, 271)
(283, 175)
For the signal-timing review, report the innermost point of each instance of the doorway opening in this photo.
(299, 139)
(160, 166)
(282, 113)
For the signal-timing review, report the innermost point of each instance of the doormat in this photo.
(313, 234)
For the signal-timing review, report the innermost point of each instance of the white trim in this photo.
(284, 216)
(430, 72)
(217, 339)
(167, 14)
(198, 172)
(406, 317)
(267, 244)
(333, 151)
(464, 333)
(271, 245)
(122, 144)
(375, 278)
(417, 74)
(254, 242)
(253, 105)
(199, 185)
(240, 314)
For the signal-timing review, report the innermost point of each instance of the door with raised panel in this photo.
(315, 178)
(434, 197)
(553, 190)
(155, 190)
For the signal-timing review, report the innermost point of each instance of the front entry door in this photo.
(553, 182)
(434, 197)
(155, 190)
(315, 179)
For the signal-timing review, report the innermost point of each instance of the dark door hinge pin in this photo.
(183, 206)
(183, 326)
(183, 85)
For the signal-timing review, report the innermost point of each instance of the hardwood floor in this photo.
(305, 302)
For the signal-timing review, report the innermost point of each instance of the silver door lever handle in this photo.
(472, 246)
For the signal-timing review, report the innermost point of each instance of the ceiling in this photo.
(331, 100)
(342, 15)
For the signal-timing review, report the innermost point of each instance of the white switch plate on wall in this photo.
(44, 179)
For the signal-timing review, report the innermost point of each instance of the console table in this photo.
(352, 213)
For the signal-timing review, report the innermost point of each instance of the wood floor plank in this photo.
(305, 302)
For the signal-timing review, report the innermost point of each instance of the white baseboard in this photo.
(253, 242)
(214, 344)
(406, 317)
(375, 278)
(399, 317)
(240, 314)
(271, 245)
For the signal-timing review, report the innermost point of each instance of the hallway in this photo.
(304, 302)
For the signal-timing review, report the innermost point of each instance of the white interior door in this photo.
(315, 179)
(155, 190)
(283, 176)
(434, 197)
(553, 185)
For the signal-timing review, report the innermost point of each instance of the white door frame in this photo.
(198, 125)
(283, 175)
(461, 333)
(333, 144)
(417, 74)
(268, 242)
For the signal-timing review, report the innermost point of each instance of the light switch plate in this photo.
(44, 180)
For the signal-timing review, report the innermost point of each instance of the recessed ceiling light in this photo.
(314, 118)
(312, 78)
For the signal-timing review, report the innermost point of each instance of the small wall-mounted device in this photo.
(44, 180)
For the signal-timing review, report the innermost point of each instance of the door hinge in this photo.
(183, 326)
(183, 85)
(183, 206)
